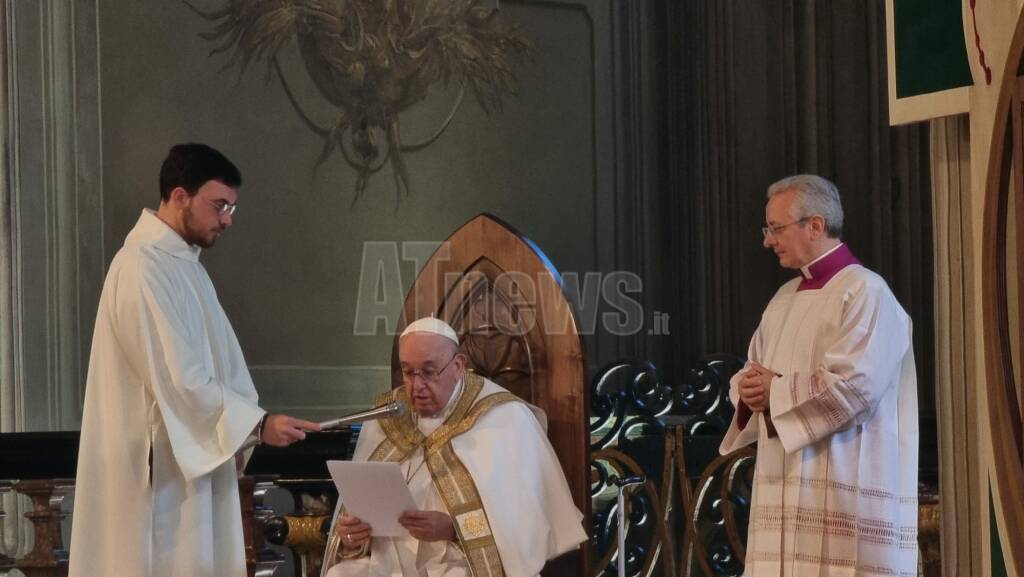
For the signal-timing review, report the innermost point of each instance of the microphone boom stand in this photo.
(622, 484)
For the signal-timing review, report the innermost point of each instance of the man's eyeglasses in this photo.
(223, 208)
(428, 375)
(770, 230)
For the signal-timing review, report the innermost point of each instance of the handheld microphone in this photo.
(392, 409)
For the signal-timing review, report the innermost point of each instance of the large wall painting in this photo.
(373, 60)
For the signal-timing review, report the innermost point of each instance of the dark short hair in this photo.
(192, 165)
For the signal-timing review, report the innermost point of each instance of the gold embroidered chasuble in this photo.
(489, 465)
(450, 476)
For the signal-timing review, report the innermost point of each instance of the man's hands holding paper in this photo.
(354, 533)
(428, 525)
(422, 525)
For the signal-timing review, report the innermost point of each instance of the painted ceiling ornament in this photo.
(372, 60)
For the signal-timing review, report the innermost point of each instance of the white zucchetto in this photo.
(431, 325)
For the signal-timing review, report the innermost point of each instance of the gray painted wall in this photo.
(105, 88)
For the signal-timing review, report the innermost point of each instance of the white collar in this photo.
(806, 269)
(152, 231)
(431, 423)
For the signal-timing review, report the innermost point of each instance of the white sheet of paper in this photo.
(375, 492)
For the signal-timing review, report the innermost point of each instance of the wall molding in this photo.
(11, 402)
(957, 397)
(53, 142)
(319, 392)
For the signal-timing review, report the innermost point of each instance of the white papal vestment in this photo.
(520, 482)
(835, 492)
(168, 402)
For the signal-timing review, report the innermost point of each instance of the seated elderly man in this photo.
(491, 496)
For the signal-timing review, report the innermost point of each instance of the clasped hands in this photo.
(755, 385)
(423, 525)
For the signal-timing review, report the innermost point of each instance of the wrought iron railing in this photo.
(689, 516)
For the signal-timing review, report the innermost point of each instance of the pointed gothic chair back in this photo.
(503, 297)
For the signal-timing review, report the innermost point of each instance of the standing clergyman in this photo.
(168, 400)
(830, 397)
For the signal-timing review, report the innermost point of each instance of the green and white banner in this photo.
(929, 74)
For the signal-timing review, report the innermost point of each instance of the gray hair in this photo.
(814, 196)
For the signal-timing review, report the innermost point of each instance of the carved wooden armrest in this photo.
(303, 533)
(306, 535)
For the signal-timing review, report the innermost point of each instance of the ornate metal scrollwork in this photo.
(629, 392)
(718, 515)
(641, 425)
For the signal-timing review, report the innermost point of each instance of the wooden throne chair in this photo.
(504, 298)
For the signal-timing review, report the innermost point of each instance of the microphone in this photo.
(392, 409)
